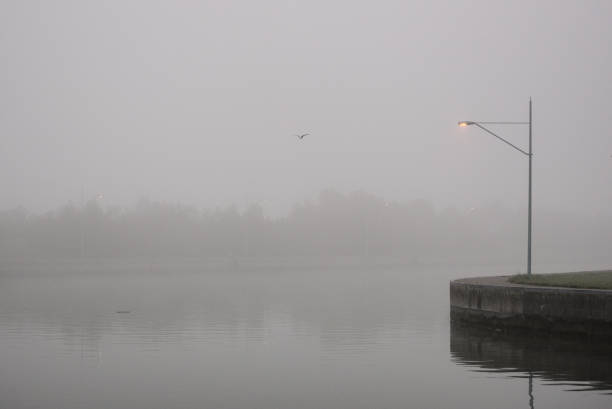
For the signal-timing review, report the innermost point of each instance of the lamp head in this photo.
(465, 123)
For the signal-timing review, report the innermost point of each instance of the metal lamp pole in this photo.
(529, 213)
(529, 154)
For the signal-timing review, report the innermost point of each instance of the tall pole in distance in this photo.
(529, 215)
(526, 153)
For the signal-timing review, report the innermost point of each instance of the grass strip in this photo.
(581, 279)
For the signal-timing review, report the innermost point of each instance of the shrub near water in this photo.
(582, 279)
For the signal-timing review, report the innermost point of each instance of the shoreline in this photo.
(496, 303)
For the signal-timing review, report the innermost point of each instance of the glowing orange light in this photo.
(462, 124)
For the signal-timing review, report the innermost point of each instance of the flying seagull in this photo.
(301, 136)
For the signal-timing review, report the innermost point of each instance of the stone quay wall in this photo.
(495, 302)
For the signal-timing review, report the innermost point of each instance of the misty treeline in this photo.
(336, 224)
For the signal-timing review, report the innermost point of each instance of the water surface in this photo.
(113, 335)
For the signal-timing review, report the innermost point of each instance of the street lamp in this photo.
(529, 154)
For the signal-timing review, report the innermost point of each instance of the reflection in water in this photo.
(576, 364)
(298, 339)
(531, 389)
(345, 311)
(214, 340)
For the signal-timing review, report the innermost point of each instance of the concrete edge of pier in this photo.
(497, 303)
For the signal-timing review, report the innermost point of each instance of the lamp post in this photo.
(529, 154)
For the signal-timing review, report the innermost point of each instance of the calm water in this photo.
(124, 336)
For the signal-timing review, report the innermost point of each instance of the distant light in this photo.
(465, 123)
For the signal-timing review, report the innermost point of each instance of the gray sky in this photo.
(197, 102)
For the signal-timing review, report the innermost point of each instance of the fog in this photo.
(168, 238)
(335, 229)
(126, 120)
(198, 102)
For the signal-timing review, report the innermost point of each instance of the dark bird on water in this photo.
(301, 136)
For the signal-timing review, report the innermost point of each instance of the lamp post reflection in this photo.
(559, 360)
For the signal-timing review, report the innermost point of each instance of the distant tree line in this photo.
(355, 225)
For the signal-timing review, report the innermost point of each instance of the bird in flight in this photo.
(301, 136)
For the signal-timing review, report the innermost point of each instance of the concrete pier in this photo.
(495, 302)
